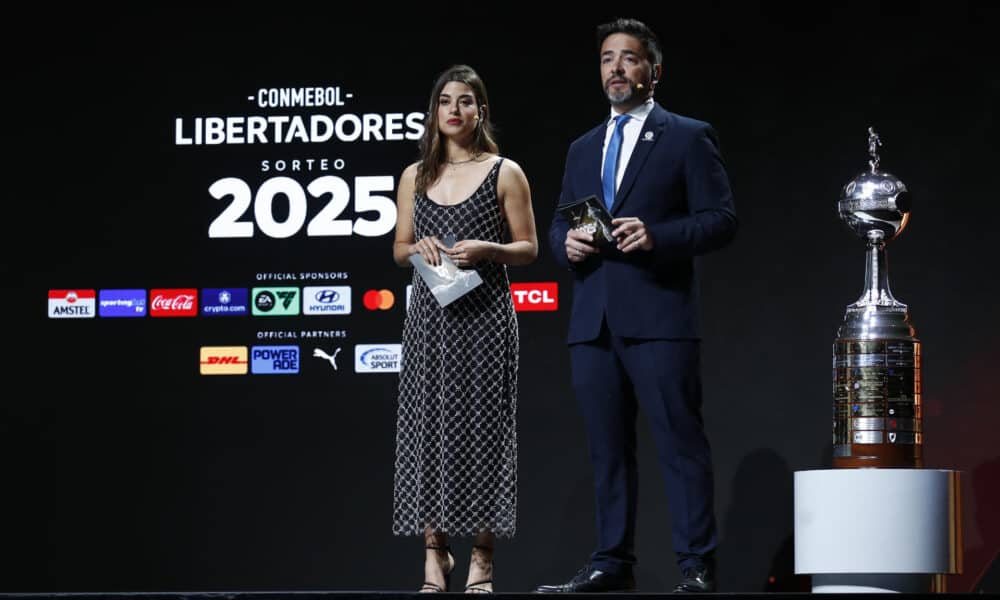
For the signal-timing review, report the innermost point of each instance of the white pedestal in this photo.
(876, 530)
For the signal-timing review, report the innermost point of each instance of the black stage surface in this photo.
(398, 595)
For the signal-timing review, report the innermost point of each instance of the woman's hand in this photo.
(471, 252)
(428, 248)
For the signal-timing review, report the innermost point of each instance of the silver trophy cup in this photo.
(876, 356)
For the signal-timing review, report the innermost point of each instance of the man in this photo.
(633, 332)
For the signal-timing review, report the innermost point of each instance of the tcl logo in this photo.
(173, 303)
(535, 296)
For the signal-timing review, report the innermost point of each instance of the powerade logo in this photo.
(121, 303)
(224, 302)
(72, 304)
(274, 360)
(275, 301)
(377, 358)
(223, 360)
(326, 300)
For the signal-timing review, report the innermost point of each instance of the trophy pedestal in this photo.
(877, 530)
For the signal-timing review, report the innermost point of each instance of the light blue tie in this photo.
(610, 172)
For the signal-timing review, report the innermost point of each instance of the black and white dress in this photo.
(456, 442)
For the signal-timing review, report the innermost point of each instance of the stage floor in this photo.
(388, 595)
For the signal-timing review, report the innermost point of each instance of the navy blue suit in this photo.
(634, 328)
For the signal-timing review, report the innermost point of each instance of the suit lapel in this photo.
(593, 152)
(653, 129)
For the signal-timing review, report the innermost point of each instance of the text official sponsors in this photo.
(173, 302)
(223, 360)
(225, 302)
(377, 358)
(274, 360)
(121, 303)
(72, 304)
(326, 300)
(274, 301)
(535, 296)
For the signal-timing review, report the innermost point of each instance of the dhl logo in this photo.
(223, 360)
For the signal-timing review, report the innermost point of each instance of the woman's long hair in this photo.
(432, 156)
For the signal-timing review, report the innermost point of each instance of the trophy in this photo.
(876, 356)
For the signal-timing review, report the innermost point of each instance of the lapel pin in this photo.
(648, 136)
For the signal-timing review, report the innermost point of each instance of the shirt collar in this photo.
(639, 113)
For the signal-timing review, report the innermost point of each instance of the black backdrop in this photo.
(124, 469)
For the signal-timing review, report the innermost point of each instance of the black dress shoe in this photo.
(696, 580)
(590, 580)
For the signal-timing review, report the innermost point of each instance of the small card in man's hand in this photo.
(590, 216)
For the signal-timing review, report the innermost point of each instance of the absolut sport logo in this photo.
(377, 358)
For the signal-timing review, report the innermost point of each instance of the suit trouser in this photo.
(612, 376)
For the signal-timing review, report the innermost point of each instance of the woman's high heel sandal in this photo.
(430, 586)
(476, 587)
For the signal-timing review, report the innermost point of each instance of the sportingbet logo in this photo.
(121, 303)
(274, 301)
(72, 304)
(223, 360)
(535, 296)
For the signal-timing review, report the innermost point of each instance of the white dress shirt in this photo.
(630, 135)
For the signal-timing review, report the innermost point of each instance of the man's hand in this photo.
(631, 234)
(579, 245)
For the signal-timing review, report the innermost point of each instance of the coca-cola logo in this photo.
(181, 302)
(178, 302)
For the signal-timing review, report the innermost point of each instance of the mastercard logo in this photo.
(379, 299)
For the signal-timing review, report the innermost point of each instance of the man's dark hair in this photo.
(638, 30)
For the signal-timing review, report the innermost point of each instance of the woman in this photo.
(456, 444)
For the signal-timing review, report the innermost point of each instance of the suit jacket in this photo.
(676, 183)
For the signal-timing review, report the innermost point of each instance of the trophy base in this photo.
(860, 456)
(877, 412)
(877, 530)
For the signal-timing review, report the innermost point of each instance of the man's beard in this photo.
(619, 97)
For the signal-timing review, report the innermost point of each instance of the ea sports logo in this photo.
(379, 299)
